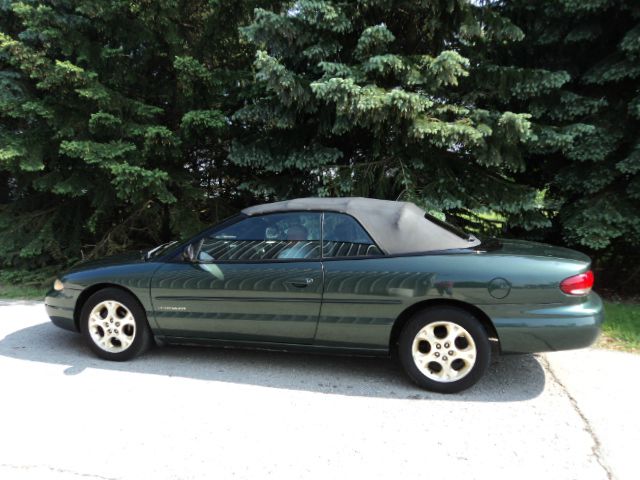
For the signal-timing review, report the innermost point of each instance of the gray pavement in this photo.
(191, 413)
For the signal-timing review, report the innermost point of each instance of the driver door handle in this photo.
(300, 282)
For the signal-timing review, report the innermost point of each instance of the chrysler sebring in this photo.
(343, 275)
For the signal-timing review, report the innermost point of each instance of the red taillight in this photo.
(578, 284)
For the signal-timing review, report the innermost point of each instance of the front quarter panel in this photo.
(60, 307)
(79, 284)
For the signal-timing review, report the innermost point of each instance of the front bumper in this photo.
(548, 328)
(60, 307)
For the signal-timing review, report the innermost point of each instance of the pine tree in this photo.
(586, 149)
(115, 122)
(379, 98)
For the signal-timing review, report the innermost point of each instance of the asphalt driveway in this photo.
(188, 413)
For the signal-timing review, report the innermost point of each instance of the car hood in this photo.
(525, 248)
(113, 260)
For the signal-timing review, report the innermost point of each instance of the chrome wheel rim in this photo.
(112, 326)
(444, 351)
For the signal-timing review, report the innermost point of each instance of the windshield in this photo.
(166, 247)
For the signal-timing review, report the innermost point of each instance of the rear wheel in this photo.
(114, 325)
(444, 349)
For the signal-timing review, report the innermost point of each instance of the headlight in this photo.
(58, 286)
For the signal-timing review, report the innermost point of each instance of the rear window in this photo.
(447, 226)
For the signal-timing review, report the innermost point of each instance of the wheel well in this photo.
(87, 292)
(482, 317)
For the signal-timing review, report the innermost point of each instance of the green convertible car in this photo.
(344, 275)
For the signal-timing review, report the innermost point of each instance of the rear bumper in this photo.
(548, 328)
(60, 307)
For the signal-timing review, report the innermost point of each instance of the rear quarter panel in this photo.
(363, 297)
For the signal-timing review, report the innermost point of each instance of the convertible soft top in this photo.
(397, 227)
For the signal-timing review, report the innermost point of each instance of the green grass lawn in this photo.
(621, 328)
(25, 284)
(20, 292)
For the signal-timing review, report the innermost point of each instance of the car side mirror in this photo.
(191, 252)
(188, 254)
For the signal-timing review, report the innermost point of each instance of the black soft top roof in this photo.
(397, 227)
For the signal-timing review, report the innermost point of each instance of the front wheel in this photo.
(444, 349)
(114, 325)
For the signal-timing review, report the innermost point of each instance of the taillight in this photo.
(578, 284)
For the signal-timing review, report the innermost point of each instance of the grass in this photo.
(21, 292)
(621, 329)
(25, 284)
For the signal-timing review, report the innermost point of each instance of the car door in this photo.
(364, 290)
(259, 279)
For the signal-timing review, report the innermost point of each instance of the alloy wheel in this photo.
(444, 351)
(112, 326)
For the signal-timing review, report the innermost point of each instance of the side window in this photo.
(345, 237)
(266, 237)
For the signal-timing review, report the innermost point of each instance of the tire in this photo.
(444, 349)
(114, 325)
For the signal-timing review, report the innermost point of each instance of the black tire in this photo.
(111, 327)
(442, 320)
